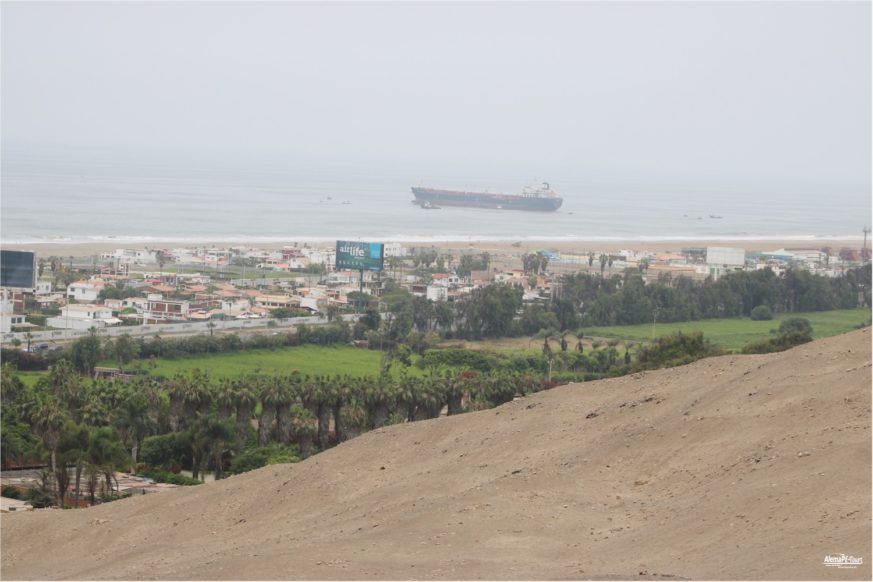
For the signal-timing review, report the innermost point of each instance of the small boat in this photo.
(428, 206)
(714, 216)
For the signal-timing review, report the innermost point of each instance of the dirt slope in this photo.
(739, 467)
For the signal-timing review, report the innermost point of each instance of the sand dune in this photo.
(738, 467)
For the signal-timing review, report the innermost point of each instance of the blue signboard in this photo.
(360, 256)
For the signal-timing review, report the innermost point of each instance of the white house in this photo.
(7, 317)
(85, 291)
(43, 288)
(320, 257)
(394, 250)
(131, 256)
(437, 293)
(446, 279)
(83, 317)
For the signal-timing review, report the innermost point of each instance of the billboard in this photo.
(18, 269)
(729, 257)
(360, 256)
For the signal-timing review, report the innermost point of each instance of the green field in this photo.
(735, 333)
(730, 334)
(30, 378)
(312, 360)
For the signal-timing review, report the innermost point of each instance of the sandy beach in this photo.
(507, 247)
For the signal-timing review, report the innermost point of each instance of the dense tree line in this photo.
(583, 300)
(625, 300)
(593, 300)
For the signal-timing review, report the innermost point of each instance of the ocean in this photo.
(134, 199)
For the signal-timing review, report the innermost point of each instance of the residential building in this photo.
(437, 293)
(8, 317)
(43, 288)
(394, 250)
(83, 317)
(85, 291)
(277, 301)
(160, 310)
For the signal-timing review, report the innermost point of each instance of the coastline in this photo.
(505, 246)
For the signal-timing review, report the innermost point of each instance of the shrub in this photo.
(675, 350)
(762, 313)
(166, 451)
(173, 478)
(11, 492)
(23, 361)
(38, 498)
(459, 358)
(792, 332)
(796, 325)
(257, 457)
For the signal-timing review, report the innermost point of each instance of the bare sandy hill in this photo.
(738, 467)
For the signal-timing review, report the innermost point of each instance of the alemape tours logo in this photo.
(842, 561)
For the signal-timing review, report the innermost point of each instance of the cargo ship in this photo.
(540, 198)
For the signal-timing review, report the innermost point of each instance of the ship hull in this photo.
(486, 200)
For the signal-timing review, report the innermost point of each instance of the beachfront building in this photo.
(131, 257)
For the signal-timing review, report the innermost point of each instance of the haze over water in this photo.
(279, 121)
(104, 197)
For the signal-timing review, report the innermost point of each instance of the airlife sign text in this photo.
(360, 256)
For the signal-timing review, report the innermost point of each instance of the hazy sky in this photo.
(749, 90)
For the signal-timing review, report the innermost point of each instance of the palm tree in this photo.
(411, 395)
(134, 424)
(66, 385)
(47, 418)
(246, 399)
(341, 395)
(288, 391)
(303, 429)
(432, 396)
(211, 438)
(225, 397)
(72, 448)
(270, 396)
(379, 396)
(323, 399)
(454, 393)
(198, 398)
(105, 454)
(176, 390)
(93, 413)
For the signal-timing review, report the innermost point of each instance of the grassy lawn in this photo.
(733, 334)
(30, 378)
(312, 360)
